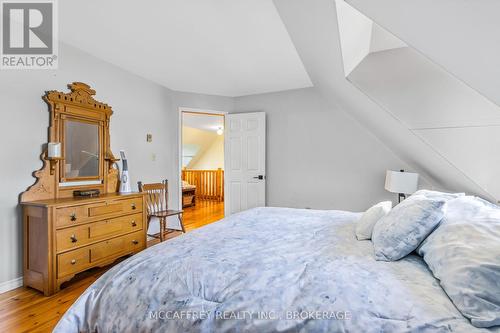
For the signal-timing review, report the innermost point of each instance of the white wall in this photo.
(140, 107)
(317, 155)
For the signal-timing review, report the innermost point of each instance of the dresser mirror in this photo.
(80, 124)
(82, 154)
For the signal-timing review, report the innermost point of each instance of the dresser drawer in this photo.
(84, 234)
(128, 206)
(132, 206)
(111, 208)
(77, 215)
(71, 215)
(136, 241)
(111, 227)
(73, 262)
(108, 248)
(72, 237)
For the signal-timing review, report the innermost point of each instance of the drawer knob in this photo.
(134, 224)
(73, 239)
(135, 242)
(133, 206)
(73, 217)
(73, 262)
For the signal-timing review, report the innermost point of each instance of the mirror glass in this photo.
(81, 150)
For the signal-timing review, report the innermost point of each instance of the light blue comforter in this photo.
(267, 270)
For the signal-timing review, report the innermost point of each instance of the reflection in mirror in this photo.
(81, 150)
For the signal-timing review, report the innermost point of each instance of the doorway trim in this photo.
(182, 110)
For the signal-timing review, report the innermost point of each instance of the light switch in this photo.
(149, 137)
(153, 157)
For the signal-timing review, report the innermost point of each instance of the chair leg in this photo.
(182, 224)
(147, 226)
(162, 229)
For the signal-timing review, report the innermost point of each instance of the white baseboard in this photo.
(12, 284)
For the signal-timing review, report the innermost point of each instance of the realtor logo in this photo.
(29, 35)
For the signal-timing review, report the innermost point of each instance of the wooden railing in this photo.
(209, 183)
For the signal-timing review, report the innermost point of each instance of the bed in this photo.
(188, 195)
(267, 270)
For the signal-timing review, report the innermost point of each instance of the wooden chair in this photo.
(157, 205)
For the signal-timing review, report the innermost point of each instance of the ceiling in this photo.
(360, 36)
(461, 36)
(220, 47)
(458, 158)
(203, 121)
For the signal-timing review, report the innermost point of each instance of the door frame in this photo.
(182, 110)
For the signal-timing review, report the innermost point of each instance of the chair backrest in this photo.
(157, 196)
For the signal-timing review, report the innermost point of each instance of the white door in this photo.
(245, 161)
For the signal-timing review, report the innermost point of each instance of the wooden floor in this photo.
(203, 213)
(27, 310)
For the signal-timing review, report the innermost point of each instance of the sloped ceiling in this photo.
(360, 36)
(203, 121)
(355, 32)
(381, 40)
(458, 122)
(462, 36)
(421, 94)
(313, 28)
(196, 141)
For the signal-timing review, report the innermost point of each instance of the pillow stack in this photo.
(458, 237)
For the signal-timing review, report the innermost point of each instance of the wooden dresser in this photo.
(63, 234)
(66, 236)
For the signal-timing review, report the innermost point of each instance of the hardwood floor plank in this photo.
(27, 310)
(203, 213)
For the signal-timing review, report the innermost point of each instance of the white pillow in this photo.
(368, 220)
(438, 195)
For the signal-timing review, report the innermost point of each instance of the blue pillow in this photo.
(464, 254)
(402, 230)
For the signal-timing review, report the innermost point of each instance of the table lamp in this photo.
(401, 182)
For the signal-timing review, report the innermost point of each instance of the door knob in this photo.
(259, 177)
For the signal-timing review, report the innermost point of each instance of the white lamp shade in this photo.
(401, 182)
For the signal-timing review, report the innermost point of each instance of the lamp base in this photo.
(401, 197)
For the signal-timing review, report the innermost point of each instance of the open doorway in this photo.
(202, 167)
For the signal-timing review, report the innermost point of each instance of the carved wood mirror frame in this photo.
(78, 105)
